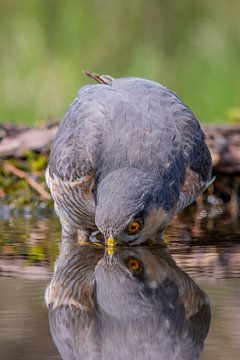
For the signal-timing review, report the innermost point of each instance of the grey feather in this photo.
(128, 123)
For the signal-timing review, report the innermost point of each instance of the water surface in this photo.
(205, 244)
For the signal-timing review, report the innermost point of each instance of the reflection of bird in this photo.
(127, 157)
(134, 304)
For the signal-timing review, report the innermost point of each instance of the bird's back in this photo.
(131, 122)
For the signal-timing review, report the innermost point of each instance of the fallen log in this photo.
(223, 142)
(34, 139)
(224, 145)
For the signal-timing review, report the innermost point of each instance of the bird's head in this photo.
(127, 210)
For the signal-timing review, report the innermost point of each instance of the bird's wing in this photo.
(74, 153)
(198, 317)
(185, 157)
(197, 312)
(70, 298)
(196, 155)
(178, 151)
(192, 188)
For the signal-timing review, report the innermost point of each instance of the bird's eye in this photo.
(135, 265)
(134, 227)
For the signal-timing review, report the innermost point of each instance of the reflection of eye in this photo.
(134, 227)
(135, 265)
(99, 236)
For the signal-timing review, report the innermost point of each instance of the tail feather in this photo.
(101, 79)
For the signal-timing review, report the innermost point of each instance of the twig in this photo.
(2, 193)
(22, 175)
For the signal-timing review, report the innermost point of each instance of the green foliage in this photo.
(193, 47)
(36, 162)
(234, 115)
(17, 192)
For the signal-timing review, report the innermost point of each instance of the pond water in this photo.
(146, 302)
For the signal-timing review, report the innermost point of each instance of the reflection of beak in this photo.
(111, 243)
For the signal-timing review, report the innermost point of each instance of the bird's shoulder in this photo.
(176, 121)
(130, 113)
(76, 143)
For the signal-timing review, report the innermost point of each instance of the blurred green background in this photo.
(192, 47)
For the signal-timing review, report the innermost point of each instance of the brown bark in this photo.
(34, 139)
(224, 145)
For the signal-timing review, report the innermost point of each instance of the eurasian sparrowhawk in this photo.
(127, 157)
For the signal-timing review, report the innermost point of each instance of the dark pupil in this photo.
(133, 227)
(133, 264)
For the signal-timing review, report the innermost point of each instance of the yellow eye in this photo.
(134, 227)
(135, 265)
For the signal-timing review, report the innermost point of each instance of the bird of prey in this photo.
(127, 157)
(134, 304)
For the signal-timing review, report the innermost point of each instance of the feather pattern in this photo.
(126, 123)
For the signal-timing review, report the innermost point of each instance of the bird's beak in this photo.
(111, 243)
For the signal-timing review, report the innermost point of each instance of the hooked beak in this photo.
(111, 243)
